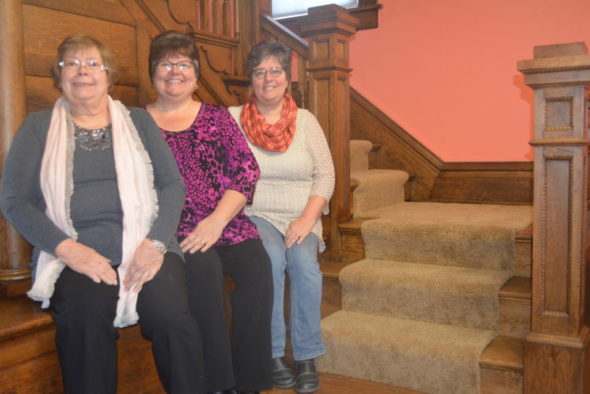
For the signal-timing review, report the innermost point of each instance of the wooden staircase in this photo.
(27, 356)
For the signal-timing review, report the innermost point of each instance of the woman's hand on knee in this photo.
(203, 236)
(146, 263)
(86, 261)
(297, 231)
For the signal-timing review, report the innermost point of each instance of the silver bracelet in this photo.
(159, 245)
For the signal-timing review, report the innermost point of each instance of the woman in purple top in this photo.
(220, 174)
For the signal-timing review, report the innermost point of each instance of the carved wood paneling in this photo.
(557, 344)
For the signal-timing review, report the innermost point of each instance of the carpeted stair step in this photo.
(501, 366)
(376, 189)
(359, 154)
(428, 357)
(448, 295)
(468, 235)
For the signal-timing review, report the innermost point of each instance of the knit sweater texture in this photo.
(288, 179)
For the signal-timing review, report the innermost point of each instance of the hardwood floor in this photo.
(335, 384)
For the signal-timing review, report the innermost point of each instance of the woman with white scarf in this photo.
(94, 188)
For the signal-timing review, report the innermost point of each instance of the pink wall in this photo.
(446, 70)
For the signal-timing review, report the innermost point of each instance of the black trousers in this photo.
(86, 339)
(247, 363)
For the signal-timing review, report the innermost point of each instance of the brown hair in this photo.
(82, 41)
(264, 49)
(171, 43)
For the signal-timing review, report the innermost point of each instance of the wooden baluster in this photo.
(328, 29)
(228, 18)
(216, 14)
(15, 253)
(199, 15)
(556, 350)
(206, 16)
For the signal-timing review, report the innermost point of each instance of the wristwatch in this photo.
(159, 245)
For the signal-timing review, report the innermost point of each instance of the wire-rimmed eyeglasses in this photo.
(274, 72)
(182, 66)
(91, 65)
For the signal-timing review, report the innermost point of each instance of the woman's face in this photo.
(82, 83)
(269, 89)
(175, 77)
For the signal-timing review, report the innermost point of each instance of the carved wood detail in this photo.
(328, 30)
(556, 347)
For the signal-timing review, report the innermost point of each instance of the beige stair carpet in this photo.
(468, 235)
(359, 155)
(427, 357)
(376, 189)
(433, 293)
(420, 309)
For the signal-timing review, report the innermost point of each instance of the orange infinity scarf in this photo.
(270, 137)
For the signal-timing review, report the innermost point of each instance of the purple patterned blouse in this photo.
(213, 156)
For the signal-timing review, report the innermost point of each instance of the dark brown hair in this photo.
(82, 41)
(171, 43)
(265, 49)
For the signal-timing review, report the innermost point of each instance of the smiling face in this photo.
(80, 84)
(175, 84)
(269, 90)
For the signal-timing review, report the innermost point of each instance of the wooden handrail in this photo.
(285, 35)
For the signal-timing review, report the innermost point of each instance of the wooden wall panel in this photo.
(496, 183)
(45, 29)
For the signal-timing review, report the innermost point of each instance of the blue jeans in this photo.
(300, 263)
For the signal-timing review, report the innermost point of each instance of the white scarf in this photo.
(135, 180)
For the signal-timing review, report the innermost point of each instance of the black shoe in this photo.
(282, 377)
(228, 391)
(308, 380)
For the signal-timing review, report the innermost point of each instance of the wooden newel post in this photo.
(556, 357)
(15, 253)
(328, 30)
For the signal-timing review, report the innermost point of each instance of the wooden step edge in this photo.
(20, 315)
(331, 269)
(525, 234)
(503, 353)
(517, 287)
(351, 225)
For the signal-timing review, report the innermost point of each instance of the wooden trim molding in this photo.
(485, 182)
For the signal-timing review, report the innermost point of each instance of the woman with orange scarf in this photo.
(296, 182)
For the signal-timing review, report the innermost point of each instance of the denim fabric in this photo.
(305, 278)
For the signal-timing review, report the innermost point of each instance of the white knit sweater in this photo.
(288, 179)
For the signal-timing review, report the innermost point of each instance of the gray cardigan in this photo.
(23, 205)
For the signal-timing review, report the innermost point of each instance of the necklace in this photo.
(97, 139)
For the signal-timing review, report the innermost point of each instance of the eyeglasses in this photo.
(260, 73)
(182, 66)
(91, 65)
